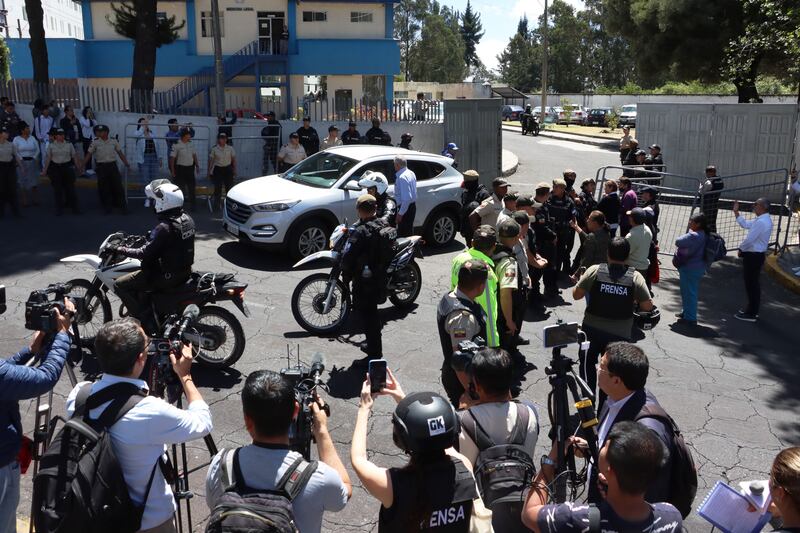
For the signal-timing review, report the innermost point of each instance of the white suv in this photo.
(298, 209)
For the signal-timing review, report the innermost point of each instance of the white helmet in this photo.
(374, 179)
(165, 194)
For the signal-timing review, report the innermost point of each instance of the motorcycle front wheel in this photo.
(96, 310)
(217, 337)
(308, 301)
(406, 285)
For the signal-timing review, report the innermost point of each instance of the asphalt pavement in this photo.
(730, 386)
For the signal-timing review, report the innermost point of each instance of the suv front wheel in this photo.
(442, 228)
(308, 237)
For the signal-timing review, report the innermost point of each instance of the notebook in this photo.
(727, 509)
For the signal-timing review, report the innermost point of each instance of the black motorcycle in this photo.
(530, 124)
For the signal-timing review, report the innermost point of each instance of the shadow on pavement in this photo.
(253, 258)
(216, 378)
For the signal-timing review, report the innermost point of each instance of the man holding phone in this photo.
(459, 318)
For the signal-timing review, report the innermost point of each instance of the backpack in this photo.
(683, 473)
(714, 249)
(385, 237)
(245, 510)
(503, 471)
(80, 485)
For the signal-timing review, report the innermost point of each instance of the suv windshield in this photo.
(628, 108)
(321, 170)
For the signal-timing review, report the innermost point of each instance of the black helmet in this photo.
(425, 422)
(646, 320)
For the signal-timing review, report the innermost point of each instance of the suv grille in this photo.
(237, 212)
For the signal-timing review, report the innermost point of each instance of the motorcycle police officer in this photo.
(562, 210)
(613, 289)
(360, 264)
(377, 185)
(460, 318)
(167, 257)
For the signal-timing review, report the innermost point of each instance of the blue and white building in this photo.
(344, 46)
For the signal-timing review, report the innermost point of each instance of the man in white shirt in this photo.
(139, 439)
(753, 251)
(405, 194)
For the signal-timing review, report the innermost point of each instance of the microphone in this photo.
(190, 314)
(317, 363)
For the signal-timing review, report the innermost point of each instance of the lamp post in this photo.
(219, 73)
(544, 66)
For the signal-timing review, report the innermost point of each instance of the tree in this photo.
(5, 63)
(522, 27)
(471, 33)
(566, 63)
(521, 61)
(439, 53)
(138, 21)
(408, 17)
(607, 58)
(770, 41)
(38, 46)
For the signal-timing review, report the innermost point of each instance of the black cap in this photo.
(332, 128)
(172, 121)
(270, 113)
(524, 200)
(640, 152)
(649, 190)
(474, 266)
(306, 119)
(508, 228)
(521, 217)
(511, 197)
(485, 235)
(52, 131)
(655, 147)
(351, 124)
(100, 127)
(184, 132)
(638, 215)
(222, 135)
(294, 135)
(60, 131)
(499, 182)
(406, 135)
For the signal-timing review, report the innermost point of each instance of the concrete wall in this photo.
(442, 91)
(618, 100)
(338, 23)
(62, 18)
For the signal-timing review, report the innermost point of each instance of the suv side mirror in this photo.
(352, 185)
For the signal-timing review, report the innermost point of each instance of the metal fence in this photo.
(685, 196)
(366, 109)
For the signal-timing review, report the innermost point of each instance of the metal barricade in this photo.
(257, 147)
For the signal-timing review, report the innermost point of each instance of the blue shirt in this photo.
(691, 248)
(405, 189)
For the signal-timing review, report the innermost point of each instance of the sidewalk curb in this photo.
(513, 161)
(780, 275)
(571, 137)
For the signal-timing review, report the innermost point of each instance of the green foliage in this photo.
(124, 23)
(5, 63)
(521, 62)
(567, 72)
(612, 120)
(765, 85)
(471, 32)
(438, 55)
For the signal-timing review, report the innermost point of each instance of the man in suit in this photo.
(622, 376)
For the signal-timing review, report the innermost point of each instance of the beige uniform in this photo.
(489, 210)
(222, 156)
(625, 142)
(105, 151)
(327, 142)
(60, 152)
(461, 326)
(291, 155)
(6, 152)
(183, 153)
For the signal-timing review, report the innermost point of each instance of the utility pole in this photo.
(544, 66)
(219, 73)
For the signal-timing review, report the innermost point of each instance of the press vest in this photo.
(180, 252)
(612, 298)
(444, 506)
(449, 304)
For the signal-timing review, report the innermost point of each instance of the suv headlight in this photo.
(275, 206)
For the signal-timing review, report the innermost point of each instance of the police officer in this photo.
(613, 289)
(562, 210)
(473, 194)
(273, 140)
(375, 135)
(109, 183)
(523, 270)
(488, 210)
(405, 141)
(508, 285)
(359, 264)
(309, 138)
(60, 163)
(377, 185)
(460, 318)
(167, 257)
(484, 242)
(351, 136)
(545, 243)
(710, 191)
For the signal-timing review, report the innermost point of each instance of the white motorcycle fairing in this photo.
(90, 259)
(322, 254)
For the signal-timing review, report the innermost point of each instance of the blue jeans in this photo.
(9, 496)
(690, 283)
(148, 171)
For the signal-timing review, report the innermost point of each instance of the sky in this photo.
(500, 18)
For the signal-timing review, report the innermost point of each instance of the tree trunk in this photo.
(38, 46)
(144, 56)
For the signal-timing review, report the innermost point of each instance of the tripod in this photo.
(562, 379)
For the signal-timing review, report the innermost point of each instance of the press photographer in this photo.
(21, 382)
(270, 406)
(140, 436)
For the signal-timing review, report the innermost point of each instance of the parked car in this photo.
(298, 210)
(598, 116)
(550, 116)
(512, 112)
(627, 115)
(246, 113)
(578, 115)
(562, 114)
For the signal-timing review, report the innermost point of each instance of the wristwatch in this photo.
(546, 461)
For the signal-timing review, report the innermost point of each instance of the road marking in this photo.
(572, 145)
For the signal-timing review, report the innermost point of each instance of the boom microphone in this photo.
(317, 363)
(190, 314)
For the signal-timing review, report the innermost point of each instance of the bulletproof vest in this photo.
(612, 298)
(437, 499)
(717, 184)
(474, 195)
(449, 304)
(179, 254)
(560, 210)
(500, 253)
(386, 204)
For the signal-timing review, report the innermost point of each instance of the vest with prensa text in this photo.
(612, 297)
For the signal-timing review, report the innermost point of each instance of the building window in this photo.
(360, 16)
(206, 25)
(315, 16)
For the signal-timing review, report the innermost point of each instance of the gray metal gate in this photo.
(474, 125)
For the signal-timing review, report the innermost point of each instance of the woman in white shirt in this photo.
(88, 123)
(148, 156)
(27, 151)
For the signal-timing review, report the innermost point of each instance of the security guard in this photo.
(309, 138)
(483, 245)
(489, 209)
(369, 280)
(405, 141)
(167, 257)
(508, 284)
(377, 185)
(473, 194)
(375, 135)
(60, 163)
(459, 318)
(521, 251)
(109, 182)
(613, 289)
(545, 243)
(562, 210)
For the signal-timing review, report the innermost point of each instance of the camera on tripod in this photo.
(305, 380)
(159, 374)
(39, 309)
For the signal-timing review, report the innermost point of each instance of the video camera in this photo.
(39, 315)
(462, 358)
(305, 380)
(159, 374)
